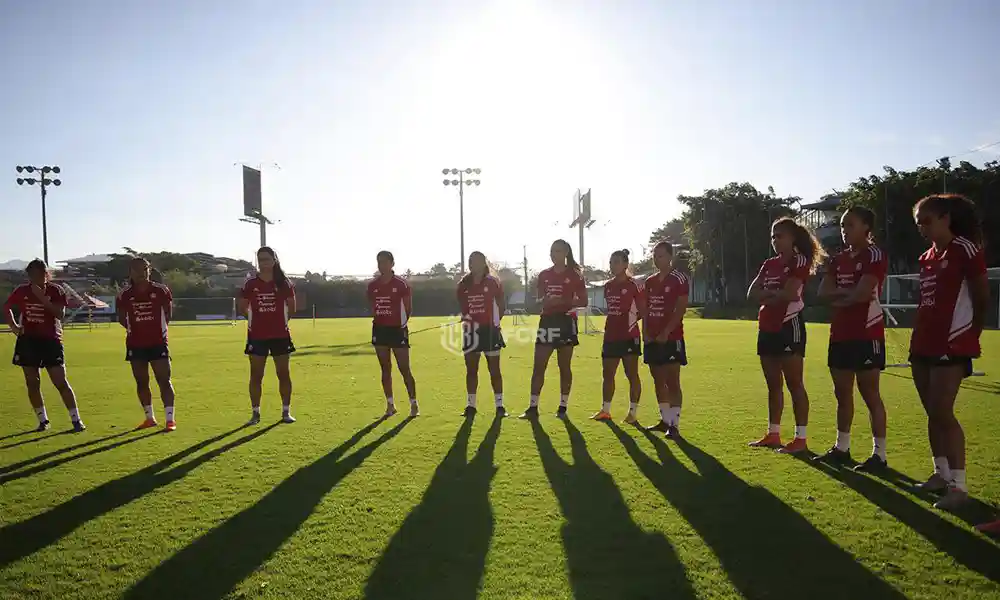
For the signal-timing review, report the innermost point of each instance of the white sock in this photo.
(800, 431)
(563, 400)
(534, 401)
(170, 412)
(844, 441)
(632, 407)
(606, 407)
(665, 413)
(149, 411)
(499, 399)
(878, 448)
(675, 416)
(285, 409)
(958, 479)
(472, 400)
(389, 402)
(43, 416)
(256, 411)
(74, 414)
(941, 467)
(773, 428)
(413, 401)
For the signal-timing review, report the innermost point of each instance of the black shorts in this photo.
(947, 360)
(666, 353)
(556, 331)
(38, 352)
(481, 338)
(791, 340)
(147, 354)
(621, 348)
(390, 336)
(856, 355)
(273, 347)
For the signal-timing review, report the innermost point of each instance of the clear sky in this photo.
(146, 106)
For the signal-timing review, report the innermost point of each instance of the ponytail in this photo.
(963, 218)
(623, 256)
(804, 241)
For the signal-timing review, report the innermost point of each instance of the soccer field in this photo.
(339, 506)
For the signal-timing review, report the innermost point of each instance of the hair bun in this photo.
(625, 252)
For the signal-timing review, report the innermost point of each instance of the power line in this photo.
(966, 153)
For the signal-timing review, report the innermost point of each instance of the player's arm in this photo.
(8, 315)
(786, 294)
(121, 309)
(580, 298)
(680, 307)
(756, 291)
(640, 303)
(861, 294)
(501, 300)
(979, 290)
(290, 300)
(168, 310)
(57, 308)
(408, 299)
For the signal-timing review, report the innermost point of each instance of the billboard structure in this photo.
(252, 206)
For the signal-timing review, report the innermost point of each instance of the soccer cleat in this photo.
(771, 440)
(561, 412)
(147, 424)
(835, 456)
(78, 426)
(469, 412)
(660, 427)
(530, 413)
(796, 446)
(672, 433)
(601, 416)
(414, 411)
(990, 528)
(953, 498)
(501, 412)
(287, 418)
(171, 426)
(390, 411)
(630, 419)
(874, 464)
(43, 426)
(254, 419)
(934, 483)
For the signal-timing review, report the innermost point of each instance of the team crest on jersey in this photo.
(786, 270)
(393, 290)
(486, 288)
(944, 263)
(857, 267)
(152, 296)
(667, 289)
(567, 280)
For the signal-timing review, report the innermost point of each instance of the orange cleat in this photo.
(171, 426)
(796, 446)
(147, 424)
(771, 440)
(602, 416)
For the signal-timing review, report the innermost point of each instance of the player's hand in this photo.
(18, 330)
(663, 336)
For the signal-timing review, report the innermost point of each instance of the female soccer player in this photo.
(666, 294)
(560, 290)
(625, 306)
(954, 292)
(852, 284)
(781, 342)
(144, 309)
(41, 306)
(268, 299)
(392, 301)
(480, 294)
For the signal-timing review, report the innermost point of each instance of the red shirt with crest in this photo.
(662, 291)
(568, 284)
(267, 317)
(622, 298)
(391, 301)
(35, 319)
(481, 301)
(146, 308)
(773, 275)
(864, 320)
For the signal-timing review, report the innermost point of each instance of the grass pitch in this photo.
(337, 506)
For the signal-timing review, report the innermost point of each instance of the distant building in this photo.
(823, 218)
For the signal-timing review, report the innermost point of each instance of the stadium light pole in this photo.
(43, 181)
(461, 182)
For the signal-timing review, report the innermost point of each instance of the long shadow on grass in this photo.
(967, 548)
(23, 539)
(609, 555)
(215, 563)
(969, 383)
(47, 455)
(751, 531)
(32, 440)
(14, 435)
(351, 350)
(7, 476)
(440, 550)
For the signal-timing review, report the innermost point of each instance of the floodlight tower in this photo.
(461, 182)
(581, 217)
(42, 182)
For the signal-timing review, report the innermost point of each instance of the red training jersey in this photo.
(774, 274)
(391, 301)
(267, 317)
(35, 320)
(481, 301)
(864, 320)
(661, 291)
(569, 284)
(623, 299)
(944, 316)
(145, 309)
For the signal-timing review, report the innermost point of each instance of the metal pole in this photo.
(263, 231)
(461, 220)
(45, 227)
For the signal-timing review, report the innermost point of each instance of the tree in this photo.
(672, 231)
(438, 270)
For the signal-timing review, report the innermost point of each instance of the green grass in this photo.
(335, 506)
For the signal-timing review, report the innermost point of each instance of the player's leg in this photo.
(610, 370)
(33, 384)
(920, 370)
(869, 388)
(258, 365)
(543, 351)
(564, 358)
(496, 380)
(140, 372)
(792, 369)
(630, 364)
(944, 385)
(770, 365)
(384, 355)
(283, 371)
(471, 381)
(675, 398)
(659, 373)
(162, 373)
(403, 364)
(57, 374)
(843, 391)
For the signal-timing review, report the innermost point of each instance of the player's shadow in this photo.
(32, 440)
(969, 383)
(764, 545)
(11, 472)
(337, 349)
(609, 556)
(22, 539)
(440, 549)
(214, 564)
(963, 545)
